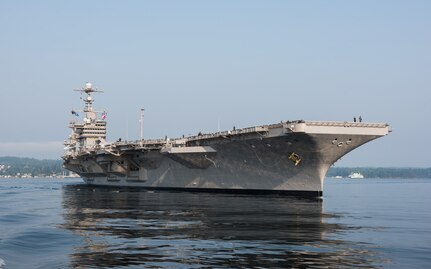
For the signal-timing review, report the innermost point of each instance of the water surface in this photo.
(54, 223)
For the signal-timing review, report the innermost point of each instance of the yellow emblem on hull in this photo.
(295, 158)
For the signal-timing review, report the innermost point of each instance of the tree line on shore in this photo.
(381, 172)
(17, 166)
(13, 166)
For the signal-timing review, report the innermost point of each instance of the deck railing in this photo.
(346, 124)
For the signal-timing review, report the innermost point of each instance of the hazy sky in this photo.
(194, 64)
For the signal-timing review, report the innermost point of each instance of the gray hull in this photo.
(290, 158)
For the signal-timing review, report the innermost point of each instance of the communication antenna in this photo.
(127, 129)
(142, 126)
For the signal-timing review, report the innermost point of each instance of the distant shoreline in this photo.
(20, 167)
(381, 172)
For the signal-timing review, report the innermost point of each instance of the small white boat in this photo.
(356, 175)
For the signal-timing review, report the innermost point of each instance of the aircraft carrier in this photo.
(289, 157)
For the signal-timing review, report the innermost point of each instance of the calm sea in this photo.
(55, 223)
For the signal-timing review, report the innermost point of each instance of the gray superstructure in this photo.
(289, 157)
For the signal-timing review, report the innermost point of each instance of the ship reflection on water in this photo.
(194, 230)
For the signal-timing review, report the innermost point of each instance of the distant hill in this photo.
(13, 166)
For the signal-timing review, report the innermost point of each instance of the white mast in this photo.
(142, 126)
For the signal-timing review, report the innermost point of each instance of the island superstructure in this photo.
(289, 157)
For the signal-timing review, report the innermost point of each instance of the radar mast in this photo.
(88, 100)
